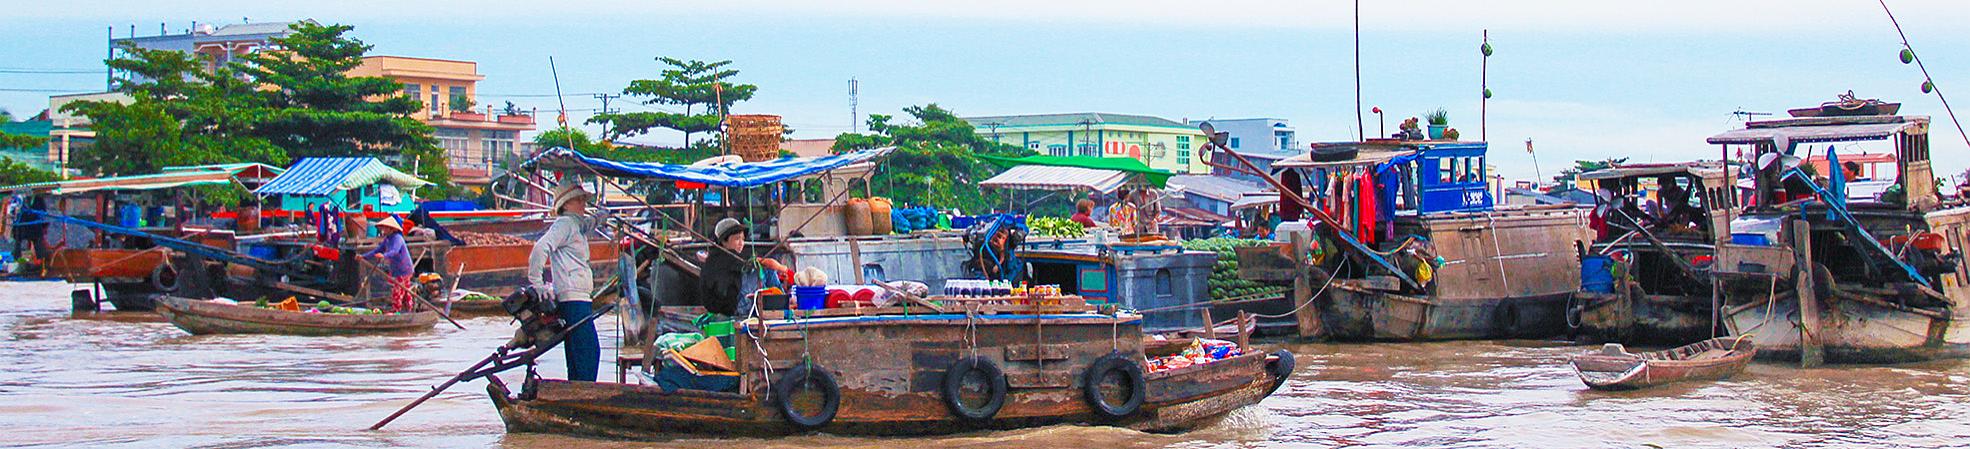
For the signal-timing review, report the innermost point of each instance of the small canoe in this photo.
(201, 317)
(1614, 368)
(475, 307)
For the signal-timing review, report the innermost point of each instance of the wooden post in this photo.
(1307, 318)
(1210, 327)
(1810, 352)
(1245, 333)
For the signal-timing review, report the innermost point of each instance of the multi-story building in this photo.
(1261, 140)
(219, 44)
(1157, 142)
(476, 138)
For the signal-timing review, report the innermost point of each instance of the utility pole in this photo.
(1359, 128)
(854, 106)
(1484, 82)
(606, 111)
(1087, 127)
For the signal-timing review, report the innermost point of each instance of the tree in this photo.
(178, 114)
(20, 141)
(700, 87)
(933, 163)
(14, 172)
(1567, 177)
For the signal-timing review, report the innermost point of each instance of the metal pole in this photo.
(1484, 81)
(1359, 128)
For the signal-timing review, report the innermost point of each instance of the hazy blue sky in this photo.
(1584, 79)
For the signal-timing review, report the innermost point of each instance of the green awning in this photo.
(1153, 177)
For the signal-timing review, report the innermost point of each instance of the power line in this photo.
(540, 95)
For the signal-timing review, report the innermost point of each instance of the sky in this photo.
(1581, 79)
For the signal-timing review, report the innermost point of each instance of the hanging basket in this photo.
(754, 137)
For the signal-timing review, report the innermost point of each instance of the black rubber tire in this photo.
(1281, 367)
(830, 393)
(954, 378)
(1131, 373)
(1332, 154)
(159, 275)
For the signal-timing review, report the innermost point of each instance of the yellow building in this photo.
(475, 137)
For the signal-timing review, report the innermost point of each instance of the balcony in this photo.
(484, 119)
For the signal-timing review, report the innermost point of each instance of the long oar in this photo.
(479, 370)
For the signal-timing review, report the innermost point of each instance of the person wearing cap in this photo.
(397, 264)
(564, 250)
(724, 269)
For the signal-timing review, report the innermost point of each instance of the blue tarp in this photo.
(744, 174)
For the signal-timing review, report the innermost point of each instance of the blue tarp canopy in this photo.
(741, 174)
(320, 176)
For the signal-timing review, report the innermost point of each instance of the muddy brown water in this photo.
(131, 380)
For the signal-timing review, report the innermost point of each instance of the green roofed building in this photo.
(1155, 141)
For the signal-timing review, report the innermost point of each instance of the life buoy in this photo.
(995, 386)
(164, 278)
(1114, 363)
(1280, 366)
(802, 377)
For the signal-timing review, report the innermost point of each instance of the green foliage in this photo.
(932, 164)
(269, 107)
(1438, 117)
(14, 172)
(20, 141)
(1056, 227)
(1567, 177)
(700, 87)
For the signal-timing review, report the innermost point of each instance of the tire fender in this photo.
(1132, 375)
(953, 388)
(802, 374)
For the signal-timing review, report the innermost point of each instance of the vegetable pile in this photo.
(490, 239)
(1056, 227)
(1225, 283)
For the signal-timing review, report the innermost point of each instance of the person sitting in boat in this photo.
(1677, 214)
(1084, 213)
(564, 249)
(396, 262)
(723, 272)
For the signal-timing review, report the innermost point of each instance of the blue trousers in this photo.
(582, 349)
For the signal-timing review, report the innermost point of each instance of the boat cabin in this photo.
(352, 184)
(1651, 213)
(1156, 279)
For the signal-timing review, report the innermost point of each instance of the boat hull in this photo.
(1352, 313)
(1691, 362)
(1851, 331)
(1643, 319)
(499, 269)
(206, 317)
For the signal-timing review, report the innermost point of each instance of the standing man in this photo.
(564, 249)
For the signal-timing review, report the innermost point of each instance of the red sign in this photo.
(1118, 149)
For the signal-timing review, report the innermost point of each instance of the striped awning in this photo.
(1048, 177)
(319, 176)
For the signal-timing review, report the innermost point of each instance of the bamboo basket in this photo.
(754, 137)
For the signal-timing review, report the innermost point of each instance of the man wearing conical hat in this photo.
(396, 258)
(562, 253)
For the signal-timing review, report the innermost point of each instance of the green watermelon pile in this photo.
(1056, 227)
(1225, 283)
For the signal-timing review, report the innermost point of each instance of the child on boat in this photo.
(396, 258)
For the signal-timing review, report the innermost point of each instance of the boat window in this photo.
(1474, 169)
(1163, 287)
(1094, 280)
(1446, 170)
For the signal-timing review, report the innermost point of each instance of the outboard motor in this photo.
(540, 319)
(994, 244)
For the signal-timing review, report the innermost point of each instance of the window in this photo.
(1446, 170)
(497, 144)
(413, 91)
(457, 145)
(1183, 143)
(1057, 150)
(1234, 143)
(1285, 139)
(1035, 146)
(458, 96)
(1088, 149)
(433, 105)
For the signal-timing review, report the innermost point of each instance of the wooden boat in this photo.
(478, 307)
(498, 269)
(1823, 277)
(209, 317)
(130, 277)
(1649, 283)
(884, 372)
(1614, 368)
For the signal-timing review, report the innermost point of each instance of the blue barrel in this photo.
(1596, 275)
(810, 297)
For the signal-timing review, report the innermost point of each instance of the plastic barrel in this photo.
(810, 298)
(1595, 275)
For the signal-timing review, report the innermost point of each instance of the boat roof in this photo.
(1153, 177)
(1044, 177)
(740, 174)
(320, 176)
(1824, 129)
(1706, 170)
(1374, 151)
(157, 181)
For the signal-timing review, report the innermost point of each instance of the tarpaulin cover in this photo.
(1042, 177)
(743, 174)
(317, 176)
(1154, 177)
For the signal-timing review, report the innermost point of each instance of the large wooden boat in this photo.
(1646, 278)
(1818, 273)
(885, 373)
(498, 269)
(1448, 265)
(201, 317)
(1614, 368)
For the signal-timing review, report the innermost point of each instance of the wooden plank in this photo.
(1036, 352)
(1305, 317)
(1051, 378)
(1811, 354)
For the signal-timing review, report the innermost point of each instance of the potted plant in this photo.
(461, 109)
(1411, 129)
(1439, 121)
(1451, 134)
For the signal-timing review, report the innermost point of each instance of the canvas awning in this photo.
(1706, 171)
(1810, 132)
(126, 183)
(1366, 156)
(1153, 177)
(1252, 200)
(1043, 177)
(320, 176)
(743, 174)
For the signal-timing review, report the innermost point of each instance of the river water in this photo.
(130, 380)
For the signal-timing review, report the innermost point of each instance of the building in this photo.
(1212, 193)
(809, 147)
(1158, 142)
(476, 139)
(219, 44)
(1261, 140)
